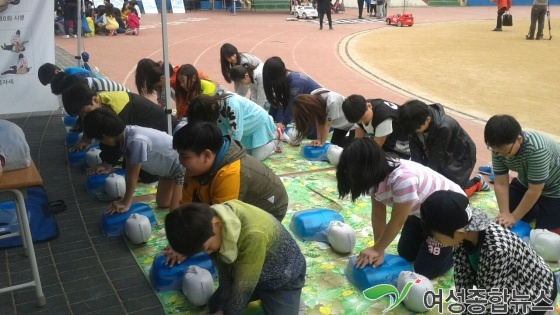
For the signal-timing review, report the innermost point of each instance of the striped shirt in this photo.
(105, 85)
(536, 162)
(412, 182)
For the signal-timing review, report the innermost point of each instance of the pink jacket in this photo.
(132, 21)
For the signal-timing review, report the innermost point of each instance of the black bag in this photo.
(507, 19)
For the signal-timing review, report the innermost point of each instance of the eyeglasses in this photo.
(501, 153)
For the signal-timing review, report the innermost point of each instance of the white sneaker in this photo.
(66, 36)
(75, 36)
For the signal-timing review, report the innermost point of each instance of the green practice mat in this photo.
(327, 291)
(290, 162)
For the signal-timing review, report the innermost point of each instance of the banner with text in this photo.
(150, 6)
(27, 39)
(177, 6)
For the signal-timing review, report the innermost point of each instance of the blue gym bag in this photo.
(40, 214)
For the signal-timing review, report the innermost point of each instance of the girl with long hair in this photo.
(229, 57)
(322, 109)
(365, 169)
(150, 77)
(281, 86)
(189, 85)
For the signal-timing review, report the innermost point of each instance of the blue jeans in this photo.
(284, 301)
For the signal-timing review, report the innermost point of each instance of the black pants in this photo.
(70, 14)
(340, 139)
(538, 12)
(431, 259)
(322, 12)
(13, 70)
(545, 211)
(360, 8)
(499, 20)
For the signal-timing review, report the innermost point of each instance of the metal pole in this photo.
(166, 65)
(79, 33)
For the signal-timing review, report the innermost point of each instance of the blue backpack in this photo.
(40, 214)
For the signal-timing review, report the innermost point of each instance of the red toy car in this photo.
(400, 19)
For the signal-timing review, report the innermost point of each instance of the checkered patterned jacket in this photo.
(506, 261)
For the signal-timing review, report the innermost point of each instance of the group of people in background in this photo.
(538, 12)
(103, 20)
(412, 157)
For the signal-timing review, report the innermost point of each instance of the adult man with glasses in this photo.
(535, 193)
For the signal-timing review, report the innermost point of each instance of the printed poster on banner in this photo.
(27, 42)
(177, 6)
(149, 6)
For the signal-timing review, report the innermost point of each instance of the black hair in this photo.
(184, 97)
(362, 166)
(46, 73)
(501, 130)
(413, 114)
(203, 108)
(76, 97)
(226, 51)
(198, 137)
(109, 10)
(18, 32)
(238, 72)
(189, 227)
(62, 81)
(354, 107)
(21, 56)
(100, 10)
(275, 82)
(148, 74)
(444, 212)
(57, 83)
(102, 122)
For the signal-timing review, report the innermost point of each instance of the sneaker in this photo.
(75, 35)
(491, 178)
(497, 30)
(483, 185)
(485, 169)
(66, 36)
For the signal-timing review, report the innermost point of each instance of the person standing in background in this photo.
(324, 6)
(538, 11)
(381, 9)
(503, 6)
(360, 8)
(70, 14)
